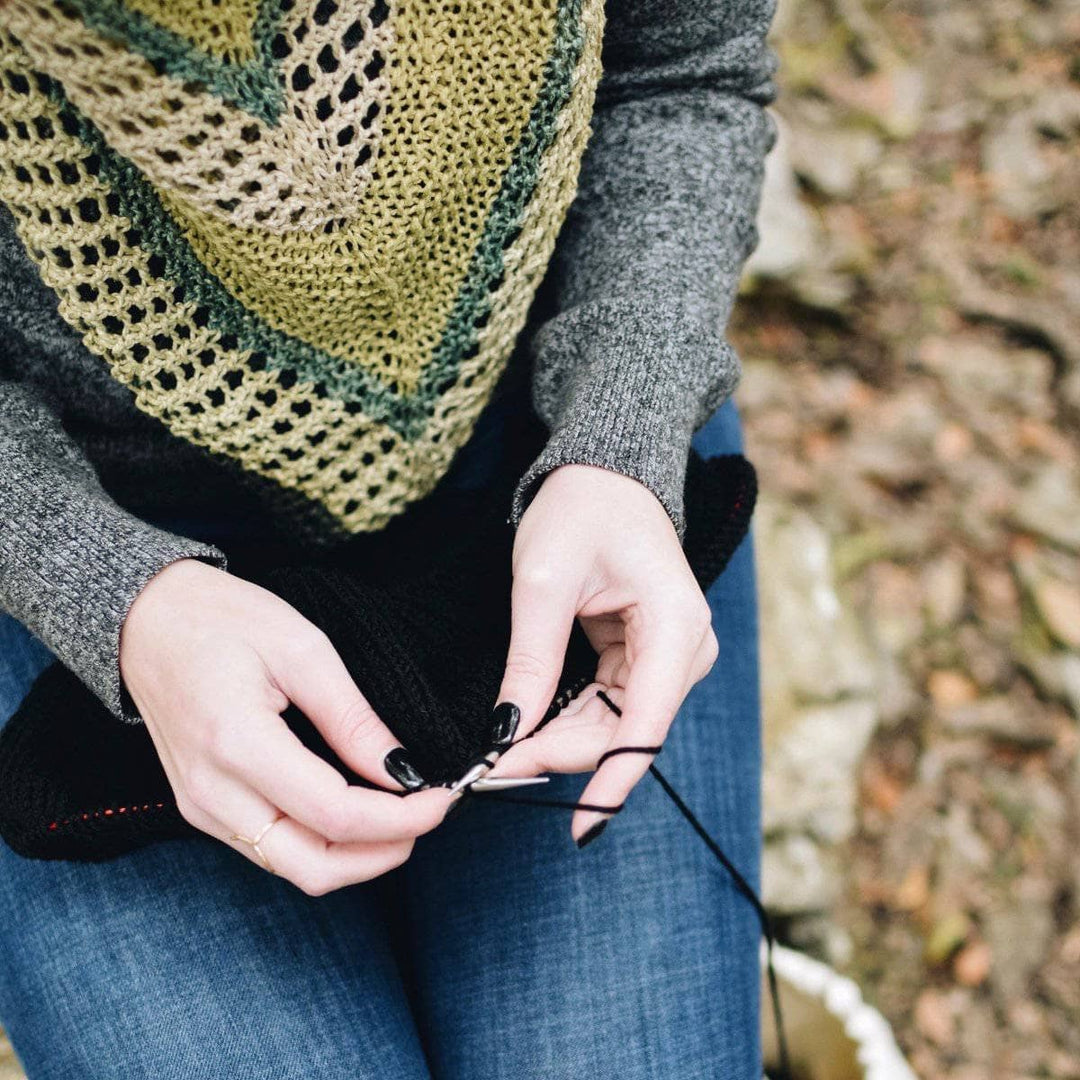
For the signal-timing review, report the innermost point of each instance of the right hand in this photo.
(211, 661)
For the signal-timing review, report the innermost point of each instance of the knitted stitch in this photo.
(305, 233)
(425, 639)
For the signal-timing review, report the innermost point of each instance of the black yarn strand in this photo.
(740, 882)
(763, 916)
(557, 804)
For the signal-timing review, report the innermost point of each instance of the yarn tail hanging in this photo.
(740, 882)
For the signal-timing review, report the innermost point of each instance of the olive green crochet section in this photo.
(323, 285)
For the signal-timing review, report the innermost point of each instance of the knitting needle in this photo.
(476, 779)
(472, 775)
(503, 735)
(502, 783)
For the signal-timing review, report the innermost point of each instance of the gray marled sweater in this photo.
(628, 359)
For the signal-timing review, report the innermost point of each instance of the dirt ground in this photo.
(911, 340)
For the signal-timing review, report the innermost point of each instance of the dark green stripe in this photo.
(160, 235)
(407, 415)
(518, 186)
(254, 86)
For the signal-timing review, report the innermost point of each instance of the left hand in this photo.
(599, 546)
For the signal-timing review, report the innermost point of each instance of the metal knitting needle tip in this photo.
(473, 774)
(502, 783)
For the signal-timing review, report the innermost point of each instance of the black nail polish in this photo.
(590, 834)
(398, 765)
(504, 723)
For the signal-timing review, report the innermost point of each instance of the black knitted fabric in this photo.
(420, 614)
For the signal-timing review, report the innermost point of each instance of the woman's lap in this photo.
(182, 960)
(497, 950)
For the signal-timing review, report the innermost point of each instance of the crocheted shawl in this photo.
(305, 233)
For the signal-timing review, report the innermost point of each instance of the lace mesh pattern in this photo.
(304, 233)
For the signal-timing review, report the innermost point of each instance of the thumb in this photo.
(542, 611)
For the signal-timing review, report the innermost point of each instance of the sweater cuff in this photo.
(627, 394)
(157, 550)
(77, 584)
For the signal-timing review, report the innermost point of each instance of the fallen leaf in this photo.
(948, 688)
(971, 965)
(934, 1018)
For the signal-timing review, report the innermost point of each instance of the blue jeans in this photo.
(499, 951)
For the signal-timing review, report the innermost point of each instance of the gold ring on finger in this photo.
(257, 839)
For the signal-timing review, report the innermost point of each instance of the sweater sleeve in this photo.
(634, 358)
(72, 560)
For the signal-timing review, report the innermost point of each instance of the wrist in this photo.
(598, 486)
(156, 600)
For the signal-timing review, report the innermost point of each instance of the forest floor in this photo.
(910, 332)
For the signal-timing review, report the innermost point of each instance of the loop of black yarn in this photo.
(740, 882)
(622, 749)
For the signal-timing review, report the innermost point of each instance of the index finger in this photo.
(657, 684)
(542, 611)
(314, 678)
(274, 762)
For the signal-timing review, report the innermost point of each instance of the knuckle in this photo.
(525, 666)
(687, 617)
(224, 744)
(332, 822)
(712, 649)
(356, 725)
(536, 576)
(313, 880)
(696, 612)
(307, 644)
(201, 788)
(401, 855)
(189, 811)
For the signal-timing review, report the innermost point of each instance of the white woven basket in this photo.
(832, 1033)
(9, 1063)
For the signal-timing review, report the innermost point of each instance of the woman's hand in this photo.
(599, 546)
(211, 661)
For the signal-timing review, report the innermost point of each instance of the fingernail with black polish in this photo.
(504, 723)
(590, 834)
(398, 765)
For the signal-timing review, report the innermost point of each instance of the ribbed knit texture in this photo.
(270, 259)
(421, 618)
